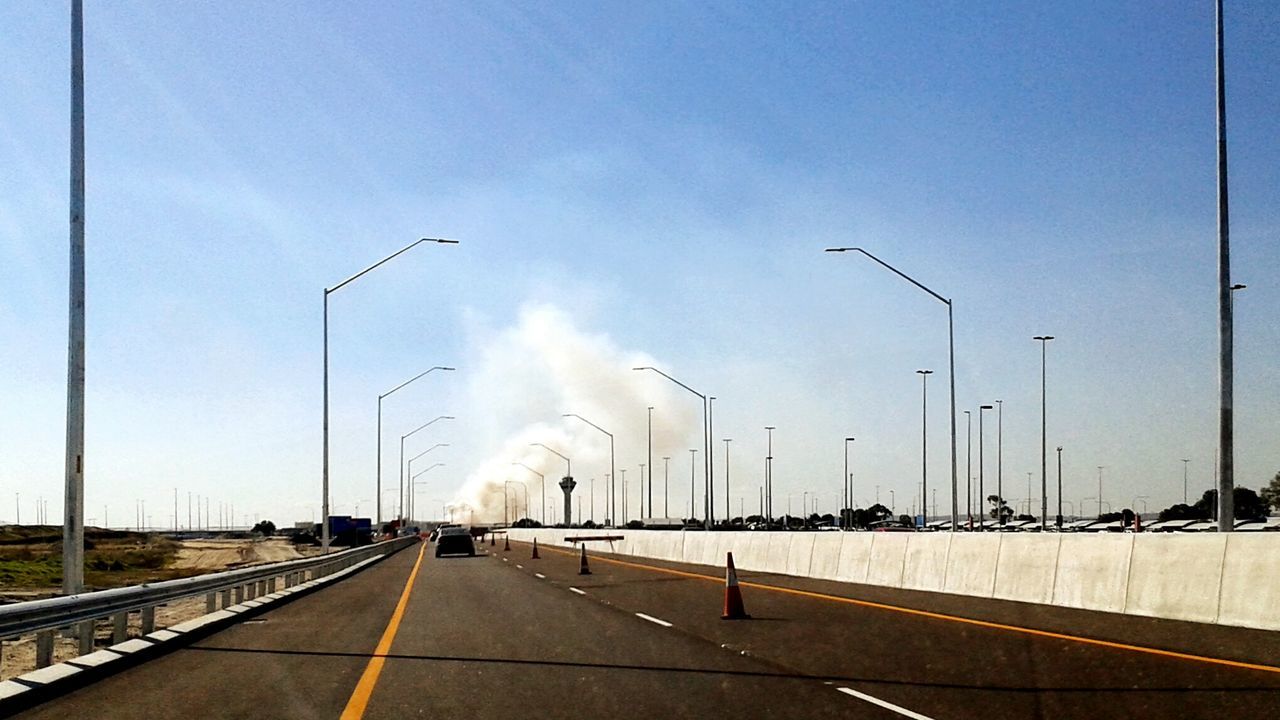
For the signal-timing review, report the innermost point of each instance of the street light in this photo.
(412, 498)
(666, 486)
(543, 478)
(982, 498)
(1000, 460)
(324, 527)
(568, 472)
(1100, 490)
(1044, 443)
(728, 513)
(693, 476)
(380, 397)
(847, 483)
(1226, 315)
(650, 464)
(968, 466)
(1184, 480)
(951, 352)
(613, 510)
(402, 464)
(768, 476)
(924, 439)
(706, 432)
(1060, 489)
(409, 468)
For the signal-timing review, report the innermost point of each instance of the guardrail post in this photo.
(262, 588)
(85, 637)
(271, 585)
(210, 602)
(119, 628)
(44, 648)
(226, 598)
(148, 620)
(239, 593)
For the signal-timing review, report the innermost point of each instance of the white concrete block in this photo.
(1176, 576)
(1027, 566)
(1093, 571)
(926, 561)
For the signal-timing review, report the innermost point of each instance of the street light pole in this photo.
(1184, 480)
(728, 513)
(1044, 443)
(666, 486)
(968, 466)
(650, 462)
(847, 484)
(324, 502)
(710, 494)
(924, 440)
(951, 361)
(1059, 487)
(609, 480)
(768, 476)
(73, 506)
(380, 397)
(1100, 490)
(404, 437)
(543, 479)
(706, 428)
(409, 469)
(1226, 352)
(982, 499)
(1000, 459)
(693, 472)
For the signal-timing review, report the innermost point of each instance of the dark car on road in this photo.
(455, 541)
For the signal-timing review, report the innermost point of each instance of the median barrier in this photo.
(971, 564)
(800, 554)
(1177, 577)
(1225, 579)
(925, 567)
(1093, 571)
(1251, 581)
(855, 557)
(1026, 566)
(825, 559)
(779, 548)
(888, 554)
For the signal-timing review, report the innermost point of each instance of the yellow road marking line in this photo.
(364, 689)
(951, 618)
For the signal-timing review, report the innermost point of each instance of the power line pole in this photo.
(1226, 430)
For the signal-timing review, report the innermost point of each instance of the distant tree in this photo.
(265, 528)
(635, 525)
(1182, 512)
(1270, 495)
(1248, 506)
(907, 520)
(589, 524)
(998, 508)
(1025, 517)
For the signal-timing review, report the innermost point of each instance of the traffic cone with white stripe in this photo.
(506, 543)
(733, 608)
(583, 568)
(535, 550)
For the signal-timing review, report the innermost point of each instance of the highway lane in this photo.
(936, 665)
(477, 637)
(507, 635)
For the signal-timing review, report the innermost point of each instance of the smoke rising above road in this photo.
(532, 373)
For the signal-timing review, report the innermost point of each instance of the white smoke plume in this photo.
(533, 373)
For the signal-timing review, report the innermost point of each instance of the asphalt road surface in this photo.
(502, 635)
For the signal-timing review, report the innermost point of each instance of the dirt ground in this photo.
(193, 557)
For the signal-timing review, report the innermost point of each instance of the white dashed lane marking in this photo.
(652, 619)
(884, 704)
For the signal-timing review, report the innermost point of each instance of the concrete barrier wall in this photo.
(1205, 577)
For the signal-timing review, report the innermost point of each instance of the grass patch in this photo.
(112, 559)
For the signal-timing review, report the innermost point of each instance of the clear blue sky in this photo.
(666, 175)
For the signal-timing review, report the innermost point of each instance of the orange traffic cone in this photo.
(733, 608)
(535, 550)
(583, 569)
(506, 543)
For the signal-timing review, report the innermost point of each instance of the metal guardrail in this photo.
(79, 612)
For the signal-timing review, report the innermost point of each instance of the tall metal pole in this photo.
(924, 440)
(1226, 440)
(847, 483)
(1059, 523)
(768, 477)
(710, 477)
(1100, 491)
(324, 503)
(1044, 443)
(982, 508)
(728, 514)
(968, 466)
(693, 477)
(666, 486)
(1000, 459)
(1184, 480)
(650, 462)
(73, 523)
